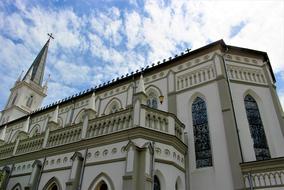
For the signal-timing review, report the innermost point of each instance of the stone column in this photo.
(35, 175)
(45, 140)
(16, 146)
(138, 171)
(85, 125)
(130, 177)
(75, 172)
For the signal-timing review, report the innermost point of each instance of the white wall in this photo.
(219, 175)
(268, 115)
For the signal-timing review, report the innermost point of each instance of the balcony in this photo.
(264, 174)
(144, 117)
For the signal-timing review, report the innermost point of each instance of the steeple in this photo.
(36, 70)
(27, 94)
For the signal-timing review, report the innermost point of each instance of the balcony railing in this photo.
(110, 123)
(30, 144)
(7, 150)
(147, 117)
(64, 136)
(264, 174)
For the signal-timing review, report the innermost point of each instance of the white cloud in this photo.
(118, 41)
(57, 91)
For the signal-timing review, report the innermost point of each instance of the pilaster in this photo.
(75, 172)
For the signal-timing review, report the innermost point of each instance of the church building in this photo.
(206, 119)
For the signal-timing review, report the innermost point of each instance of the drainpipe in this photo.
(153, 164)
(232, 103)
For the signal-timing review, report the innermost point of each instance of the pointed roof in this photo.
(36, 71)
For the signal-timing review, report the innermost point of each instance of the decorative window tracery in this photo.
(202, 146)
(256, 129)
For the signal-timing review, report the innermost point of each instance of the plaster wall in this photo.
(114, 171)
(168, 176)
(219, 175)
(267, 111)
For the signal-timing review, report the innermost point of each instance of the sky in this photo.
(98, 40)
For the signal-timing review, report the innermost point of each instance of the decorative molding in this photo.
(195, 77)
(246, 74)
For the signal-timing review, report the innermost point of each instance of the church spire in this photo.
(36, 71)
(24, 98)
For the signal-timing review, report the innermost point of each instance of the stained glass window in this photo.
(157, 185)
(201, 134)
(256, 129)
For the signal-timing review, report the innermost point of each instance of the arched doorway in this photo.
(53, 187)
(157, 185)
(102, 186)
(52, 184)
(102, 182)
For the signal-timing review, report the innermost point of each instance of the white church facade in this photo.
(205, 119)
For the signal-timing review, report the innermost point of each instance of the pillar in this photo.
(35, 175)
(75, 172)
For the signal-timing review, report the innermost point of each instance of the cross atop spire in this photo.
(50, 36)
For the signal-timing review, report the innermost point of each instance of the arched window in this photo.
(202, 146)
(152, 100)
(176, 186)
(34, 131)
(52, 184)
(157, 185)
(53, 187)
(256, 129)
(113, 106)
(102, 186)
(17, 187)
(30, 101)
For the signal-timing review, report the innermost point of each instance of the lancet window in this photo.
(256, 129)
(202, 146)
(157, 185)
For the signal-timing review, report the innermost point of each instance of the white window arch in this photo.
(35, 131)
(153, 94)
(113, 106)
(52, 184)
(17, 187)
(102, 182)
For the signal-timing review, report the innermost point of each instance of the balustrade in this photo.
(163, 121)
(110, 123)
(122, 120)
(7, 150)
(264, 174)
(30, 144)
(64, 136)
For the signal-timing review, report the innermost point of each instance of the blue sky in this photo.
(98, 40)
